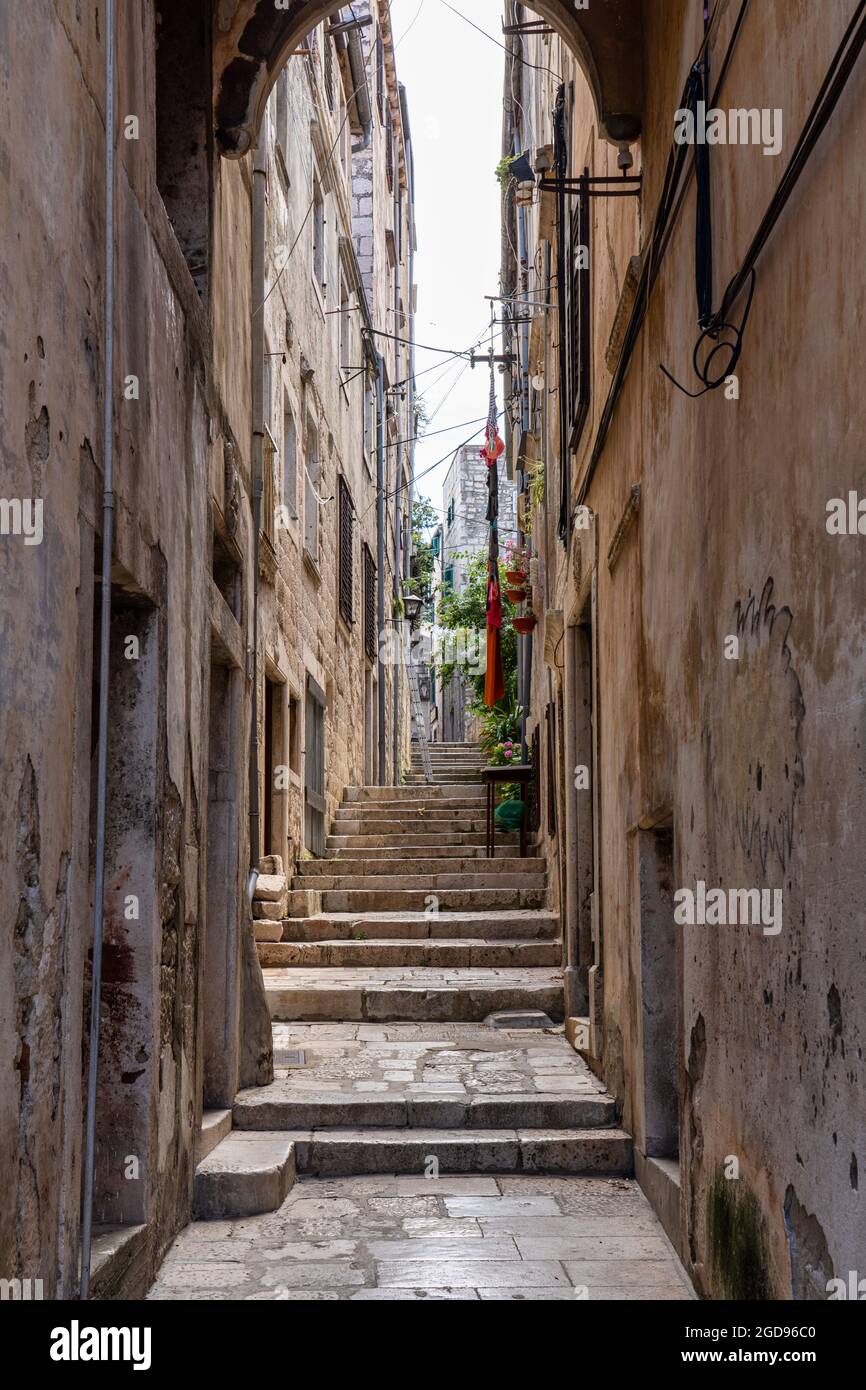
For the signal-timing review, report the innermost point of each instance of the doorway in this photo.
(659, 976)
(314, 769)
(222, 918)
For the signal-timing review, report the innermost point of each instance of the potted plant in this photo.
(524, 624)
(515, 566)
(516, 595)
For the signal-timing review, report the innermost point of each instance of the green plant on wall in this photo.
(535, 473)
(425, 519)
(503, 169)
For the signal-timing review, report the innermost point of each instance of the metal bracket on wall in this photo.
(595, 186)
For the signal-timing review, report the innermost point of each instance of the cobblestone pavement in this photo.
(457, 1059)
(410, 1238)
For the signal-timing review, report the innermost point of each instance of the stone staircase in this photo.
(451, 762)
(398, 946)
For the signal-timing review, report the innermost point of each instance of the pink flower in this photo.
(509, 754)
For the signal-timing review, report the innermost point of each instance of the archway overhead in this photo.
(253, 39)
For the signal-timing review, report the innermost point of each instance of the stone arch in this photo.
(253, 38)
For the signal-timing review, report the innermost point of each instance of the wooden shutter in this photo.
(311, 501)
(551, 768)
(578, 344)
(346, 568)
(533, 810)
(369, 605)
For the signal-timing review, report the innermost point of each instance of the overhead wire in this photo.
(537, 67)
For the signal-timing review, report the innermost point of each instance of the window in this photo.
(294, 733)
(370, 618)
(380, 75)
(449, 577)
(281, 117)
(346, 554)
(268, 451)
(311, 499)
(328, 59)
(183, 141)
(345, 324)
(577, 335)
(290, 460)
(315, 805)
(318, 221)
(369, 425)
(450, 514)
(389, 154)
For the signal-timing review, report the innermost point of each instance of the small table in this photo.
(494, 776)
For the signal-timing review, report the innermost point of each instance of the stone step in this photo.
(448, 808)
(449, 772)
(408, 995)
(275, 1107)
(450, 954)
(459, 766)
(420, 846)
(362, 900)
(389, 827)
(472, 868)
(246, 1174)
(417, 926)
(457, 773)
(401, 793)
(335, 1152)
(337, 881)
(215, 1125)
(421, 803)
(419, 780)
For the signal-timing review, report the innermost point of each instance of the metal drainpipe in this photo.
(398, 477)
(104, 659)
(260, 181)
(380, 553)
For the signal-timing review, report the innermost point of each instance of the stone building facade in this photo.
(323, 306)
(209, 621)
(698, 663)
(465, 534)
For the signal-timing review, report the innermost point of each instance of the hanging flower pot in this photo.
(516, 577)
(516, 595)
(525, 624)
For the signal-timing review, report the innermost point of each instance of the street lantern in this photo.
(412, 605)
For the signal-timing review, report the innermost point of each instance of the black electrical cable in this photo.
(670, 203)
(822, 109)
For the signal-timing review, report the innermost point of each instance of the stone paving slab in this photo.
(397, 994)
(403, 1060)
(385, 1237)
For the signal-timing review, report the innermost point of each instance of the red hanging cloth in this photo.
(494, 678)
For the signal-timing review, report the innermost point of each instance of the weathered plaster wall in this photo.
(52, 349)
(756, 763)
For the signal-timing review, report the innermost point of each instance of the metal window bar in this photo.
(346, 542)
(369, 605)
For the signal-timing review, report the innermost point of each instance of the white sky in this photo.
(453, 77)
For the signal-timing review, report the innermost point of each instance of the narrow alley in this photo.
(398, 1152)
